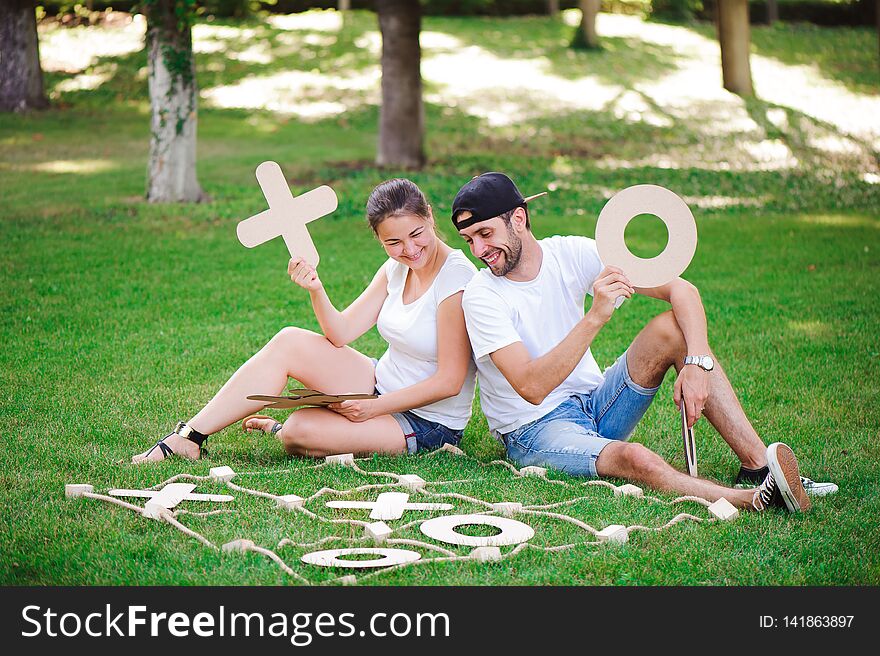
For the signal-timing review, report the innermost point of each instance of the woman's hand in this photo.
(356, 411)
(304, 274)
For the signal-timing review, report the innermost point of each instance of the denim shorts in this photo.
(423, 434)
(572, 435)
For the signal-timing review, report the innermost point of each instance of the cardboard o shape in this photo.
(386, 557)
(287, 216)
(680, 224)
(443, 529)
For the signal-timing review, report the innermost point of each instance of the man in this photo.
(540, 387)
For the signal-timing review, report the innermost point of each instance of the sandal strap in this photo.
(188, 432)
(164, 448)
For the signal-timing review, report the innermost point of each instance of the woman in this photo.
(425, 380)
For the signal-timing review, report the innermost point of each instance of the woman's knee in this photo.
(298, 434)
(290, 338)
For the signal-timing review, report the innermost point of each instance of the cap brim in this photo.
(531, 198)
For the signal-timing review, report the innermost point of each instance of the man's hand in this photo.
(610, 284)
(356, 411)
(694, 383)
(304, 274)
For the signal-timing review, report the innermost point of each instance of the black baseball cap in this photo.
(486, 196)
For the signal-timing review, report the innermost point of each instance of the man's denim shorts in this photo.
(423, 434)
(572, 435)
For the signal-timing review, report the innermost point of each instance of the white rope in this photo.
(187, 531)
(447, 556)
(202, 514)
(255, 493)
(277, 559)
(564, 518)
(287, 542)
(672, 522)
(331, 490)
(114, 500)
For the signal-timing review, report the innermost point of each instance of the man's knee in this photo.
(629, 460)
(667, 332)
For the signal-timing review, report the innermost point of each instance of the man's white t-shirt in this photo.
(539, 313)
(411, 332)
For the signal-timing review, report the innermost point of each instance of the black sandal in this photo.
(185, 431)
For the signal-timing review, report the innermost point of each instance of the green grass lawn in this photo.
(119, 318)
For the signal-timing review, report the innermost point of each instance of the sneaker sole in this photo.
(784, 467)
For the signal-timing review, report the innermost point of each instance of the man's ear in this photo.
(518, 220)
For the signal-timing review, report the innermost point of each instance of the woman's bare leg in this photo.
(293, 352)
(318, 432)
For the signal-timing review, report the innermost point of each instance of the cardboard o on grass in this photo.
(669, 208)
(384, 557)
(443, 530)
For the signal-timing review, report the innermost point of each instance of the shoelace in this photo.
(764, 493)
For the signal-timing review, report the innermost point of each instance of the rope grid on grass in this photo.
(420, 487)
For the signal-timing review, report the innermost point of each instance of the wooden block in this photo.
(289, 501)
(540, 472)
(221, 474)
(340, 459)
(379, 531)
(73, 490)
(412, 482)
(628, 491)
(507, 508)
(168, 497)
(486, 554)
(724, 510)
(613, 533)
(238, 545)
(452, 449)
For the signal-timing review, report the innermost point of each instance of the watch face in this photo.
(707, 363)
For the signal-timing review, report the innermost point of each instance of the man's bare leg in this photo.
(636, 462)
(661, 345)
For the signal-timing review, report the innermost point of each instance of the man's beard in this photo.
(512, 254)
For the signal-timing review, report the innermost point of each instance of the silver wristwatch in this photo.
(704, 362)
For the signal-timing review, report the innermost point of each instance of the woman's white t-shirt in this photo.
(411, 332)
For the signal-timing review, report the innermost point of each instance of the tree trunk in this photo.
(402, 116)
(553, 7)
(171, 174)
(772, 11)
(21, 77)
(733, 35)
(586, 36)
(344, 5)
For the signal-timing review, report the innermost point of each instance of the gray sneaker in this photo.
(815, 489)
